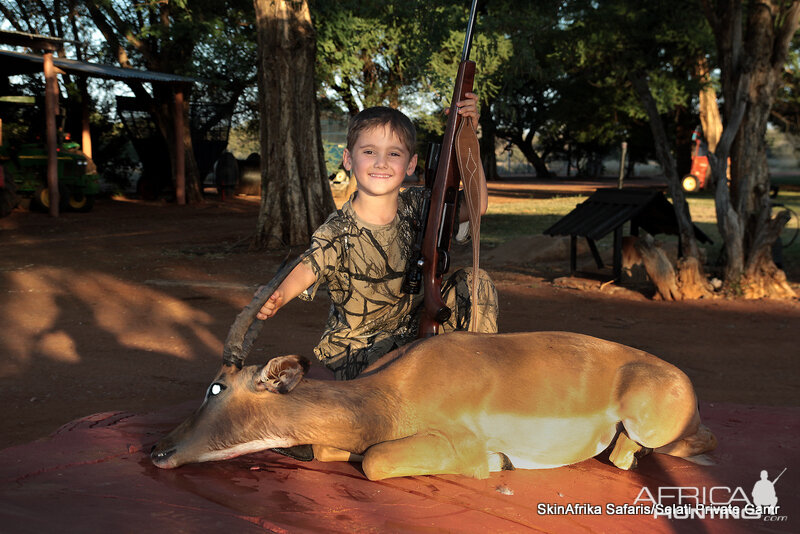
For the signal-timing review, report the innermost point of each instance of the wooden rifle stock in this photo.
(443, 211)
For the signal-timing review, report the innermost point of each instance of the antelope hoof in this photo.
(626, 452)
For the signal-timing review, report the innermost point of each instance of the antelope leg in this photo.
(625, 452)
(428, 453)
(326, 453)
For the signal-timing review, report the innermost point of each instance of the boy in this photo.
(362, 251)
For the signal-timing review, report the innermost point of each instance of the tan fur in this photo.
(449, 403)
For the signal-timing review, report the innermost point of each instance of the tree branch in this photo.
(708, 11)
(784, 35)
(10, 17)
(108, 32)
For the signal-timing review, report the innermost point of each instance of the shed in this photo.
(607, 210)
(20, 62)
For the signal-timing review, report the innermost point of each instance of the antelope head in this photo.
(224, 425)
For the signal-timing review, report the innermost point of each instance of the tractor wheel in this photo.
(689, 183)
(78, 201)
(41, 199)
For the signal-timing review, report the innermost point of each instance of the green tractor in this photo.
(25, 166)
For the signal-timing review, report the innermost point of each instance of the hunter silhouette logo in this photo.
(764, 494)
(723, 502)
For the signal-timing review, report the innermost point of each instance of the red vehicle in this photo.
(696, 179)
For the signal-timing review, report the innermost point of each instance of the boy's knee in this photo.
(458, 295)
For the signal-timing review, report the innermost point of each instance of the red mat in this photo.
(94, 475)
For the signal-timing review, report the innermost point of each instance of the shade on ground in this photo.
(94, 475)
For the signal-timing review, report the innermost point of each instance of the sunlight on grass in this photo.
(511, 218)
(705, 217)
(524, 216)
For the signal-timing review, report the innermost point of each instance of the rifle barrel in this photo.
(473, 12)
(779, 476)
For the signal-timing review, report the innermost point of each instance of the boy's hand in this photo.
(298, 280)
(272, 305)
(468, 107)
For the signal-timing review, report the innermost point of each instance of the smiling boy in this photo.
(362, 251)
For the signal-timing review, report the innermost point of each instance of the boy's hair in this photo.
(383, 116)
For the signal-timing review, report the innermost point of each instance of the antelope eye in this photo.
(215, 389)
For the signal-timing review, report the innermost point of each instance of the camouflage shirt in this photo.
(363, 266)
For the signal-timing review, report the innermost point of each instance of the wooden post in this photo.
(50, 104)
(180, 151)
(86, 138)
(617, 262)
(573, 254)
(2, 171)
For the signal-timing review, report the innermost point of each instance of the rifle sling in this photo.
(471, 172)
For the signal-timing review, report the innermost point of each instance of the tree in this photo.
(186, 38)
(522, 77)
(786, 110)
(379, 53)
(635, 47)
(752, 42)
(207, 39)
(295, 194)
(364, 52)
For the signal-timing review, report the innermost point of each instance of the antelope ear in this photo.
(281, 374)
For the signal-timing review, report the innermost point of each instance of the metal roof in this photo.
(19, 62)
(30, 40)
(608, 209)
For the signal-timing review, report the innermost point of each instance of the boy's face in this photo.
(379, 161)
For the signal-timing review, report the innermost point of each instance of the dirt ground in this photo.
(126, 308)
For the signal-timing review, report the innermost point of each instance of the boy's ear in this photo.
(412, 165)
(346, 162)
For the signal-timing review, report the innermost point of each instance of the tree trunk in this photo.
(295, 194)
(658, 268)
(525, 145)
(161, 103)
(164, 113)
(751, 64)
(709, 110)
(696, 283)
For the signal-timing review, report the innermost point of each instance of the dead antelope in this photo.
(457, 403)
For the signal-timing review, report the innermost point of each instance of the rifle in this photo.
(451, 167)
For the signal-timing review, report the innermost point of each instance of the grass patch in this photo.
(705, 217)
(519, 217)
(514, 218)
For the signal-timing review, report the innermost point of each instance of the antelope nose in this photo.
(159, 455)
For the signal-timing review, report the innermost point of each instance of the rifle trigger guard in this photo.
(444, 261)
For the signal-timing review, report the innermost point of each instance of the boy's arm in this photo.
(300, 279)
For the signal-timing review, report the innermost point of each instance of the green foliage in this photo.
(610, 41)
(786, 110)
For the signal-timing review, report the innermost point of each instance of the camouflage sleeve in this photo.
(322, 257)
(412, 201)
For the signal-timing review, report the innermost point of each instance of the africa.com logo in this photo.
(724, 502)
